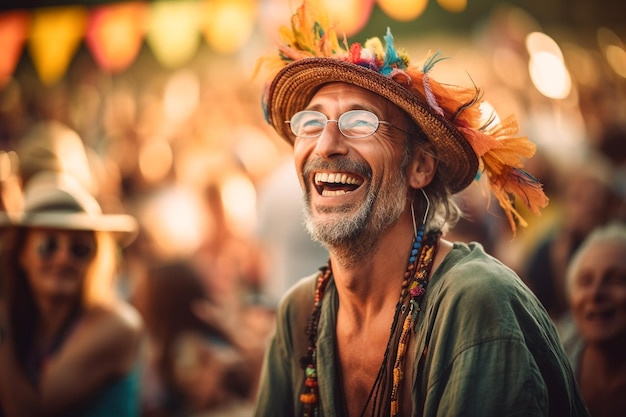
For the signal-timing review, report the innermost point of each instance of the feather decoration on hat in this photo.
(499, 151)
(430, 97)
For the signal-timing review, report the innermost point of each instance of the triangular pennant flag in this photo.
(13, 30)
(115, 33)
(54, 38)
(173, 31)
(228, 24)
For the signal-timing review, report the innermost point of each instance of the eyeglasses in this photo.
(79, 248)
(352, 124)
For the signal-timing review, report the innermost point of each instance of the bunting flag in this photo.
(13, 29)
(174, 31)
(115, 33)
(55, 35)
(227, 24)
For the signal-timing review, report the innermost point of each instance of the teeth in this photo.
(327, 193)
(335, 178)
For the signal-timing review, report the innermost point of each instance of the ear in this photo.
(422, 168)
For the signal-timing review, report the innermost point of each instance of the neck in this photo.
(53, 316)
(374, 281)
(606, 359)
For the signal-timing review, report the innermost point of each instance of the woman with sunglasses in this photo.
(69, 345)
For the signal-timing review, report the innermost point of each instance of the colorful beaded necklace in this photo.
(414, 285)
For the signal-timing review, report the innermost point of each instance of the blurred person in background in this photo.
(587, 201)
(596, 284)
(195, 365)
(475, 225)
(70, 344)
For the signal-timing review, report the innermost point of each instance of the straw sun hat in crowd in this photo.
(58, 201)
(310, 55)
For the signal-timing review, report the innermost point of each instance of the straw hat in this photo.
(294, 86)
(467, 145)
(58, 201)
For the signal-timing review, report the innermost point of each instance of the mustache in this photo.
(337, 164)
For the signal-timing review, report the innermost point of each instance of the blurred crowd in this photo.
(221, 236)
(208, 312)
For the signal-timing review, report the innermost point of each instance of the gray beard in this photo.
(351, 237)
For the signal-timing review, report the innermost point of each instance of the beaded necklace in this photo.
(414, 285)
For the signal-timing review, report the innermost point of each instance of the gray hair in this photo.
(614, 231)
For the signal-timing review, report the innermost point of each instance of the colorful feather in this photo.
(500, 152)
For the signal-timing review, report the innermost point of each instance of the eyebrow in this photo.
(356, 106)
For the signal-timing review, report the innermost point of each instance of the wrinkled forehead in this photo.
(354, 97)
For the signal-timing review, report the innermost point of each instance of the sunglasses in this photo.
(80, 249)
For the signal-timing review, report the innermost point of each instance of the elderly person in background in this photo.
(596, 283)
(69, 344)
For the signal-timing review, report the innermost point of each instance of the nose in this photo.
(598, 290)
(62, 254)
(331, 141)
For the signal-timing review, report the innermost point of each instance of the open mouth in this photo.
(336, 183)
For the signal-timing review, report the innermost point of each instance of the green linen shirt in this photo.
(492, 348)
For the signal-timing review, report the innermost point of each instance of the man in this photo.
(400, 322)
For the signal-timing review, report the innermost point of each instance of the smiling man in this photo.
(401, 322)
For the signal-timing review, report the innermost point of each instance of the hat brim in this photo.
(294, 86)
(123, 228)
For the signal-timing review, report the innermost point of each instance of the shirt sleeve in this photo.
(492, 349)
(494, 378)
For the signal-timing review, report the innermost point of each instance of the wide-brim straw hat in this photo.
(56, 200)
(468, 144)
(295, 85)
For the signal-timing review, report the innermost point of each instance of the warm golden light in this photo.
(115, 34)
(13, 28)
(239, 199)
(350, 15)
(175, 220)
(454, 6)
(607, 37)
(403, 10)
(182, 94)
(228, 24)
(549, 75)
(155, 159)
(540, 42)
(546, 66)
(255, 150)
(55, 36)
(173, 31)
(616, 57)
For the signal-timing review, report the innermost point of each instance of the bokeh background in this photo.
(163, 97)
(155, 106)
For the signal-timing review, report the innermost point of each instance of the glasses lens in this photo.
(308, 123)
(81, 251)
(358, 123)
(47, 247)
